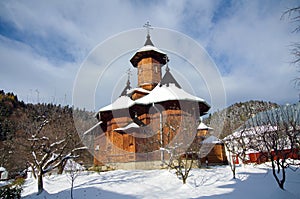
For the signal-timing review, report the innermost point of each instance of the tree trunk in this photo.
(233, 170)
(40, 183)
(279, 182)
(72, 187)
(33, 171)
(184, 179)
(61, 167)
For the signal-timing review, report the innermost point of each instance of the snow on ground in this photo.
(215, 182)
(3, 183)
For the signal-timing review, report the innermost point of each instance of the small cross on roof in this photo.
(148, 27)
(129, 74)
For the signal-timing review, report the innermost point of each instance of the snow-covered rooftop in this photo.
(123, 102)
(203, 126)
(137, 89)
(129, 126)
(251, 131)
(150, 48)
(92, 128)
(211, 140)
(2, 169)
(166, 93)
(158, 94)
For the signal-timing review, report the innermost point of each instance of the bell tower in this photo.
(149, 61)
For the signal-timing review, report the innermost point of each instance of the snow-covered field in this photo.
(215, 182)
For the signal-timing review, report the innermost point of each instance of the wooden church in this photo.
(143, 120)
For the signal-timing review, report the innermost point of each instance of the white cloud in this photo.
(24, 72)
(48, 41)
(253, 42)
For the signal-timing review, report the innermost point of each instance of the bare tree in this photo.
(293, 14)
(179, 160)
(49, 147)
(238, 144)
(275, 134)
(47, 140)
(182, 150)
(230, 144)
(73, 170)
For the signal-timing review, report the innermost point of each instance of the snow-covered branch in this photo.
(57, 143)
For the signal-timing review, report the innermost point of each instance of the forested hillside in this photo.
(229, 119)
(20, 121)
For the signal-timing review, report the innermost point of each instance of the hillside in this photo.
(18, 121)
(227, 120)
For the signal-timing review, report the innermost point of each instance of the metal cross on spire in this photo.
(167, 65)
(148, 27)
(129, 74)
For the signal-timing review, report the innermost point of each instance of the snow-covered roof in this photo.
(203, 126)
(211, 140)
(93, 127)
(248, 151)
(158, 94)
(166, 93)
(123, 102)
(137, 89)
(129, 126)
(149, 48)
(251, 131)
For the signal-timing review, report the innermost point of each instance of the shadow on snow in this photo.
(259, 185)
(81, 193)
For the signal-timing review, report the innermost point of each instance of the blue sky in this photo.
(44, 43)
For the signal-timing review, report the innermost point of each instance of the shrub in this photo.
(19, 182)
(13, 190)
(97, 169)
(10, 192)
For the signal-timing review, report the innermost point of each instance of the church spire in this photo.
(148, 60)
(148, 41)
(168, 77)
(127, 87)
